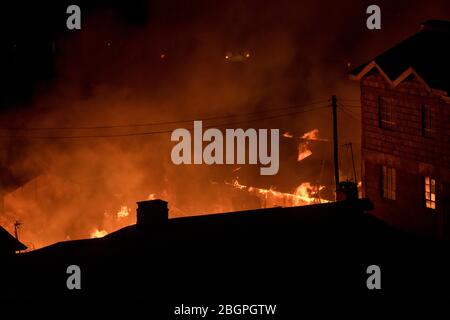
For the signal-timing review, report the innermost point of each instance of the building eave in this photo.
(395, 82)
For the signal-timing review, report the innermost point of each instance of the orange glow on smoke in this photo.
(123, 212)
(304, 194)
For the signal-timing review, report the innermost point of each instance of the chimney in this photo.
(347, 190)
(152, 213)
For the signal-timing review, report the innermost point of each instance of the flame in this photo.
(304, 194)
(98, 233)
(123, 212)
(311, 135)
(304, 150)
(288, 135)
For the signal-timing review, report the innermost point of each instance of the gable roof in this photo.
(9, 243)
(424, 55)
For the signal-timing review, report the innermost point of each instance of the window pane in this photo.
(430, 192)
(385, 113)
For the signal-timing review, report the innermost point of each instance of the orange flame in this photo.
(123, 212)
(304, 194)
(304, 150)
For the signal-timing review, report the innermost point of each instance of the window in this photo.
(430, 193)
(388, 183)
(427, 121)
(385, 113)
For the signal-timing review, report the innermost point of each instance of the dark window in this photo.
(430, 193)
(385, 113)
(427, 121)
(388, 183)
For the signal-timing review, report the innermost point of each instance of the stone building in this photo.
(406, 131)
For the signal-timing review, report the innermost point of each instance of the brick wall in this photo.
(406, 140)
(408, 211)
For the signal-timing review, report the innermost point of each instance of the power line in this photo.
(159, 123)
(162, 131)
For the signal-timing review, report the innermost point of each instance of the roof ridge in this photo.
(436, 25)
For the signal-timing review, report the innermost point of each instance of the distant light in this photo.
(108, 44)
(247, 55)
(227, 57)
(162, 56)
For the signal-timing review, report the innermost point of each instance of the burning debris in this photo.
(305, 194)
(98, 233)
(304, 147)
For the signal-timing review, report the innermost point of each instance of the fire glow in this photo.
(123, 212)
(304, 147)
(98, 233)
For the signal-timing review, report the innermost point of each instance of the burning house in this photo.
(8, 244)
(405, 106)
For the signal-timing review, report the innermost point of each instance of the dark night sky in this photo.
(29, 28)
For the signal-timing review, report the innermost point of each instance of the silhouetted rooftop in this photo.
(427, 52)
(9, 243)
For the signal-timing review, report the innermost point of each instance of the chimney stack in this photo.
(152, 213)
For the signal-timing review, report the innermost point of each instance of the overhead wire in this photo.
(162, 122)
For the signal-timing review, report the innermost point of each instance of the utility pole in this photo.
(335, 141)
(353, 162)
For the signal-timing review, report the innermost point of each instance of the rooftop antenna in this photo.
(17, 225)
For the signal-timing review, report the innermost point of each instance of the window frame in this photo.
(427, 120)
(386, 113)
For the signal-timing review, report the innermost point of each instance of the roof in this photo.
(256, 253)
(424, 55)
(8, 242)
